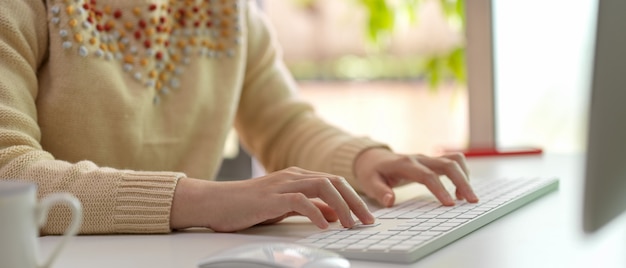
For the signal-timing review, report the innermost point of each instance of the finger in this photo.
(458, 194)
(354, 201)
(347, 199)
(460, 159)
(327, 211)
(378, 189)
(453, 171)
(326, 191)
(300, 171)
(430, 179)
(299, 203)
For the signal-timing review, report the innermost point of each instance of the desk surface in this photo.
(544, 233)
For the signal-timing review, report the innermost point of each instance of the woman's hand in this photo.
(379, 170)
(232, 206)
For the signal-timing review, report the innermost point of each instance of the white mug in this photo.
(21, 216)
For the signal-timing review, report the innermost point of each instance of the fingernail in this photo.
(474, 197)
(351, 223)
(387, 200)
(449, 201)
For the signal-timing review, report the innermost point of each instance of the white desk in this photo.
(544, 233)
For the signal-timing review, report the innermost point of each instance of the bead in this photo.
(72, 22)
(110, 25)
(104, 38)
(63, 33)
(99, 53)
(69, 10)
(78, 38)
(127, 67)
(55, 10)
(55, 20)
(163, 76)
(82, 51)
(150, 83)
(137, 76)
(149, 32)
(67, 44)
(129, 59)
(129, 25)
(174, 83)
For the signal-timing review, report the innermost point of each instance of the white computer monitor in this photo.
(605, 176)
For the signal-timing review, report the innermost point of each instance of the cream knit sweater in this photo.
(114, 100)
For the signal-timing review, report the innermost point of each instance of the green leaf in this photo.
(456, 63)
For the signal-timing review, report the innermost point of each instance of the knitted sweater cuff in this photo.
(345, 156)
(144, 201)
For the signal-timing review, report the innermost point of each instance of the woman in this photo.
(126, 104)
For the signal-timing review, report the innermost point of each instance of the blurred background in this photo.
(391, 70)
(394, 70)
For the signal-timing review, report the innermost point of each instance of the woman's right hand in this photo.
(237, 205)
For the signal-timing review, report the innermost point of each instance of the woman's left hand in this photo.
(378, 170)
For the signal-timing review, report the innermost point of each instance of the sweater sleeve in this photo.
(278, 128)
(114, 201)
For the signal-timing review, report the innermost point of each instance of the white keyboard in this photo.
(416, 228)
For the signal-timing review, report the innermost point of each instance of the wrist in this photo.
(189, 200)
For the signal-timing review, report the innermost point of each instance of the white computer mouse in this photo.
(274, 255)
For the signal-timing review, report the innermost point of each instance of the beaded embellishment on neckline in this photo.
(152, 42)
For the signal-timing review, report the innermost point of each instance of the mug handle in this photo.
(77, 217)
